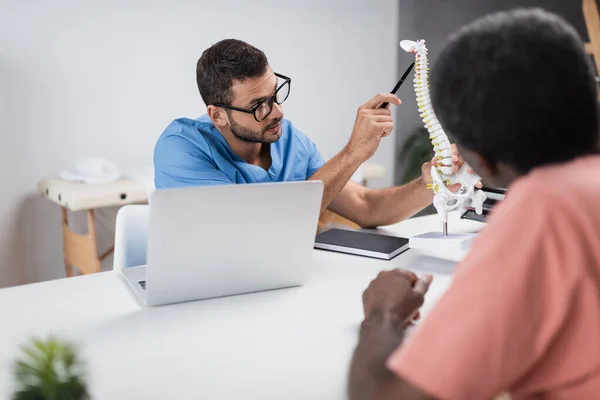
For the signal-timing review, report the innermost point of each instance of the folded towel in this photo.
(93, 170)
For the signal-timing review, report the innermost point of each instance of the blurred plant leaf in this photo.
(416, 150)
(49, 370)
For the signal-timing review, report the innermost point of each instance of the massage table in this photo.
(80, 250)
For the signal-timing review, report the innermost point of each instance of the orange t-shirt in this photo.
(523, 312)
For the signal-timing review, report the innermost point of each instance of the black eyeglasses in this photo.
(264, 108)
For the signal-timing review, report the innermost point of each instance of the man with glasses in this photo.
(244, 138)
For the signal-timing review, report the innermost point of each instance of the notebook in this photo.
(361, 243)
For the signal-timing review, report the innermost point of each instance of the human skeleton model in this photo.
(443, 200)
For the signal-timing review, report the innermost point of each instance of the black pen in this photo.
(395, 89)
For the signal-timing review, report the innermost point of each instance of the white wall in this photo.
(103, 78)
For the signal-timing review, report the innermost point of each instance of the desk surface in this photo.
(284, 344)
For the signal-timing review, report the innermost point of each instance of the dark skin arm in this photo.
(390, 302)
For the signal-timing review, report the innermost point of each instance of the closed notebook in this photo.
(361, 243)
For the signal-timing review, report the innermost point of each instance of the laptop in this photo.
(215, 241)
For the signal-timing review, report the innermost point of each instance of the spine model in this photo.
(439, 140)
(441, 173)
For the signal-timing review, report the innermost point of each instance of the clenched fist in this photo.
(371, 124)
(398, 292)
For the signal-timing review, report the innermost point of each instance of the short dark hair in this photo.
(223, 63)
(517, 87)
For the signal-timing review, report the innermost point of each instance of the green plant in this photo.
(50, 370)
(416, 150)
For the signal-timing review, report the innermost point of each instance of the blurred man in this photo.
(517, 93)
(244, 138)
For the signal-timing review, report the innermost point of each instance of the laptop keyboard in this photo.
(142, 284)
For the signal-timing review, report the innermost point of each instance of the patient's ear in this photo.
(217, 115)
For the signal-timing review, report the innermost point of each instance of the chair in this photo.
(131, 235)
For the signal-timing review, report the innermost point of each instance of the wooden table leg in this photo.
(107, 253)
(592, 22)
(81, 251)
(65, 222)
(94, 261)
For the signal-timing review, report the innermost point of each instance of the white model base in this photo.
(436, 241)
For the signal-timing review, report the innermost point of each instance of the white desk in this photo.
(285, 344)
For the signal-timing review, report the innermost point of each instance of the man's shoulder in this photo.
(188, 127)
(186, 133)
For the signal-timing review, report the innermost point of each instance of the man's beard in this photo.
(248, 135)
